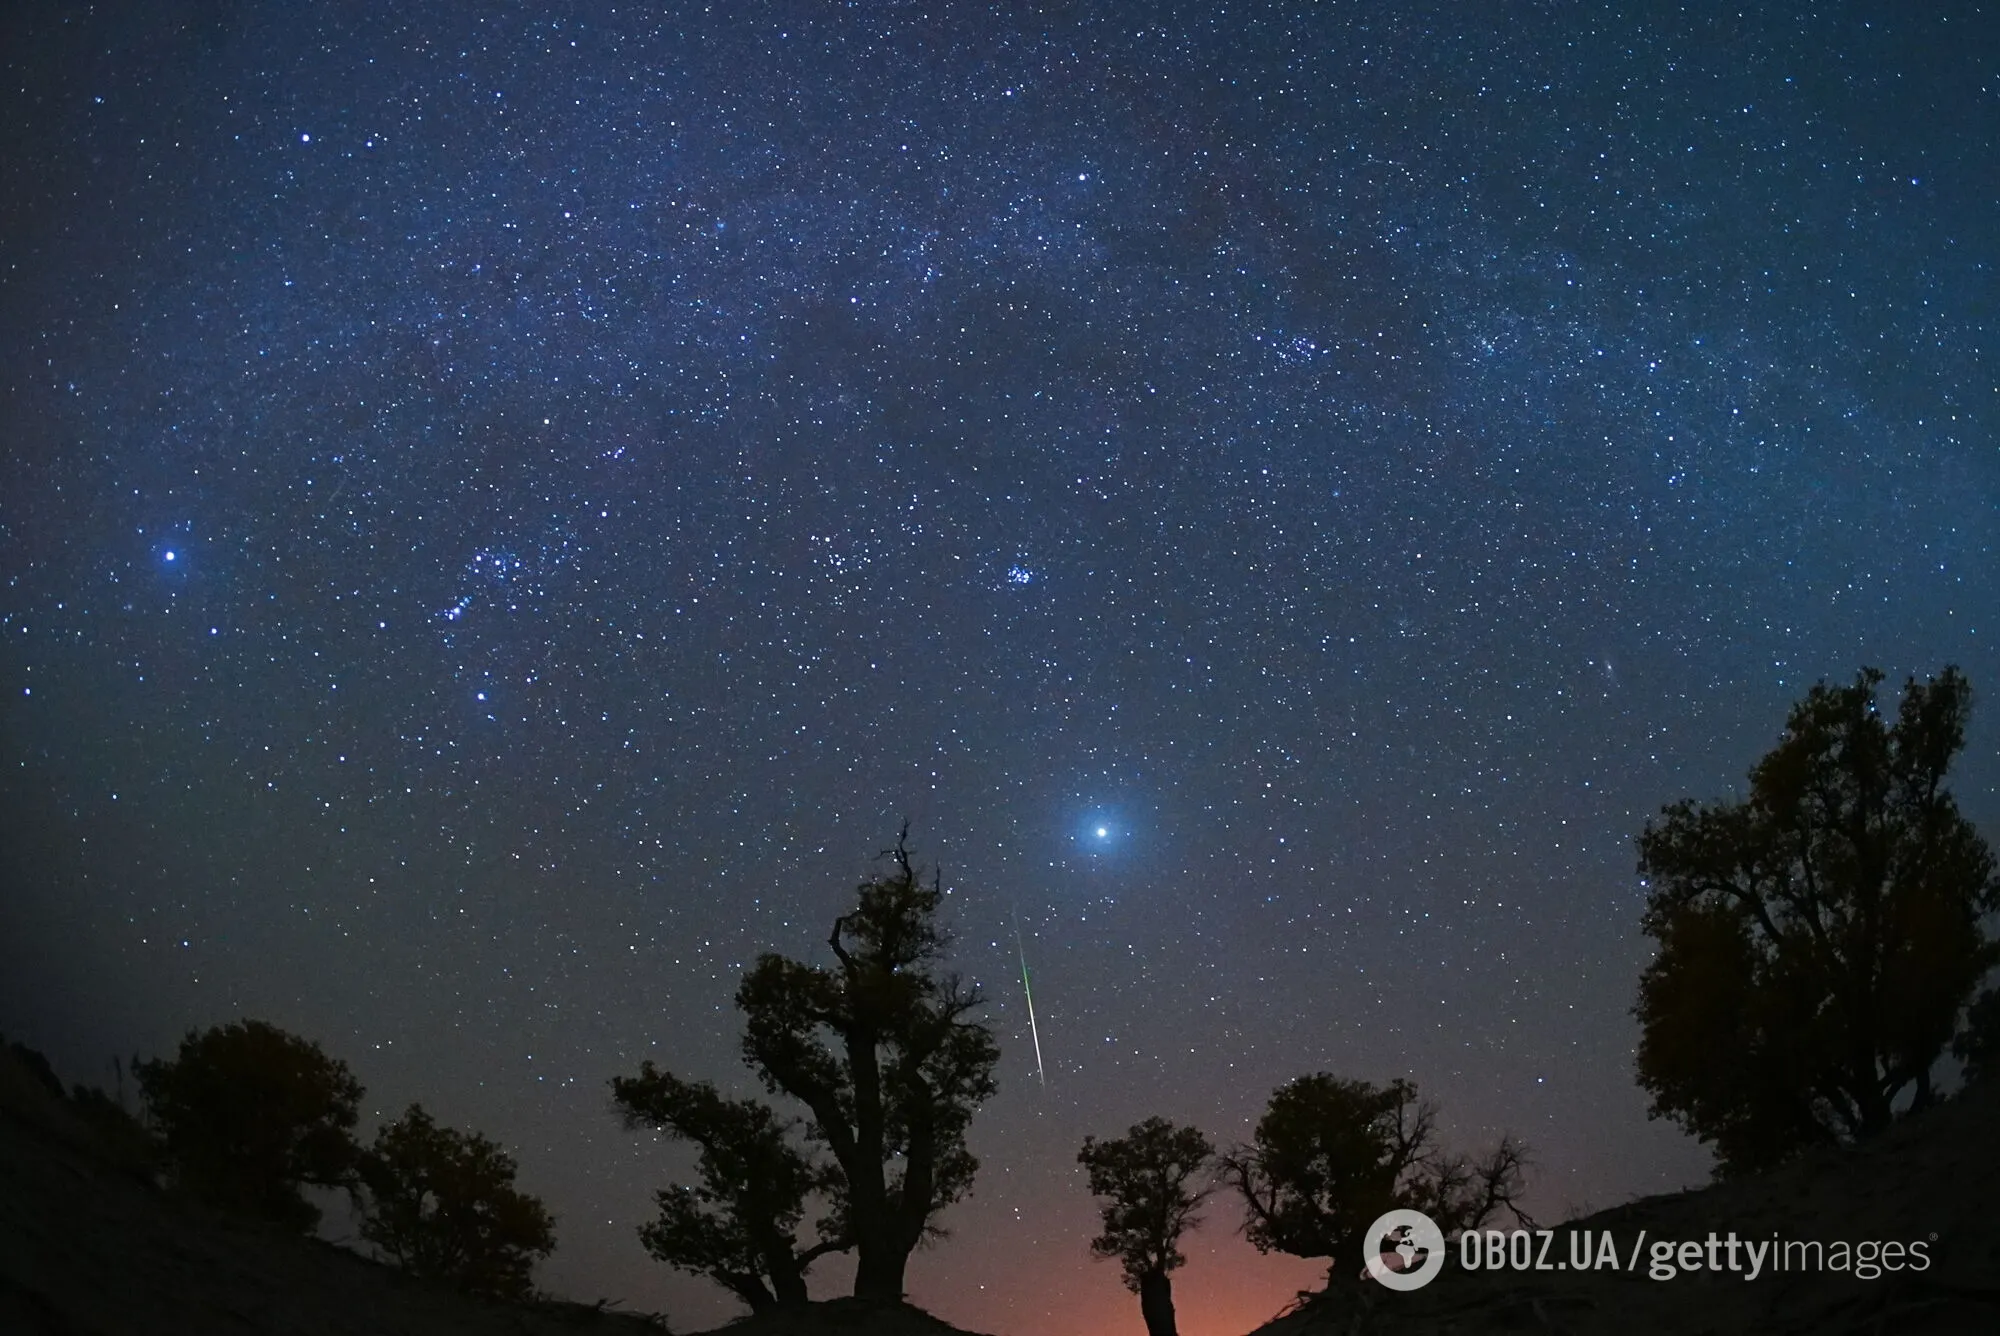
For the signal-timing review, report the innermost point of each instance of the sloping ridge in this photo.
(88, 1247)
(1933, 1179)
(843, 1317)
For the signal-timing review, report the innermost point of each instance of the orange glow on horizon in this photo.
(1226, 1289)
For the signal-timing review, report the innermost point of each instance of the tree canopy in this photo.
(1818, 939)
(443, 1204)
(1147, 1182)
(882, 1049)
(739, 1224)
(248, 1114)
(1329, 1156)
(1978, 1044)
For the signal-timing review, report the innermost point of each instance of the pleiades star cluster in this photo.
(506, 507)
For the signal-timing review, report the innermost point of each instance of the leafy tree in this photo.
(1329, 1156)
(442, 1203)
(1978, 1044)
(880, 1049)
(739, 1226)
(36, 1064)
(121, 1138)
(1817, 940)
(248, 1114)
(1144, 1177)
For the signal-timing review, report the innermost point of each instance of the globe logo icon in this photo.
(1403, 1250)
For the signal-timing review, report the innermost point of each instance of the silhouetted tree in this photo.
(739, 1225)
(1329, 1156)
(1978, 1044)
(442, 1203)
(36, 1064)
(248, 1114)
(881, 1050)
(121, 1138)
(1817, 940)
(1145, 1179)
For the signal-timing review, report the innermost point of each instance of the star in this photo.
(1231, 528)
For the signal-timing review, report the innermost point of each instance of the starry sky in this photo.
(505, 507)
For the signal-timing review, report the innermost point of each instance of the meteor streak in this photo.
(1033, 1030)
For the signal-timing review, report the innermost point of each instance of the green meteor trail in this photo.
(1028, 992)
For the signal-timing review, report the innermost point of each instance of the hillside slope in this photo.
(843, 1317)
(1934, 1179)
(88, 1248)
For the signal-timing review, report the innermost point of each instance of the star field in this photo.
(504, 508)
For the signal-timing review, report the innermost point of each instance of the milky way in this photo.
(505, 507)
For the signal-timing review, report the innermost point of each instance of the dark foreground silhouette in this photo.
(87, 1245)
(1932, 1179)
(843, 1317)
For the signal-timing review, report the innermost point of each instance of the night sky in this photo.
(504, 508)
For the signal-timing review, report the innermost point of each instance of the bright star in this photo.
(1099, 831)
(170, 556)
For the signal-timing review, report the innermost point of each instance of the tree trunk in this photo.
(880, 1250)
(879, 1272)
(789, 1283)
(1874, 1108)
(1925, 1092)
(749, 1288)
(1156, 1303)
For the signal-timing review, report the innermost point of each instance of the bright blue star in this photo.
(1098, 832)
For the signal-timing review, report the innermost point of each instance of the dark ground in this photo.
(88, 1246)
(1934, 1178)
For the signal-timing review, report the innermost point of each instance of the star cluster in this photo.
(504, 507)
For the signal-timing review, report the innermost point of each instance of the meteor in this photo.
(1033, 1030)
